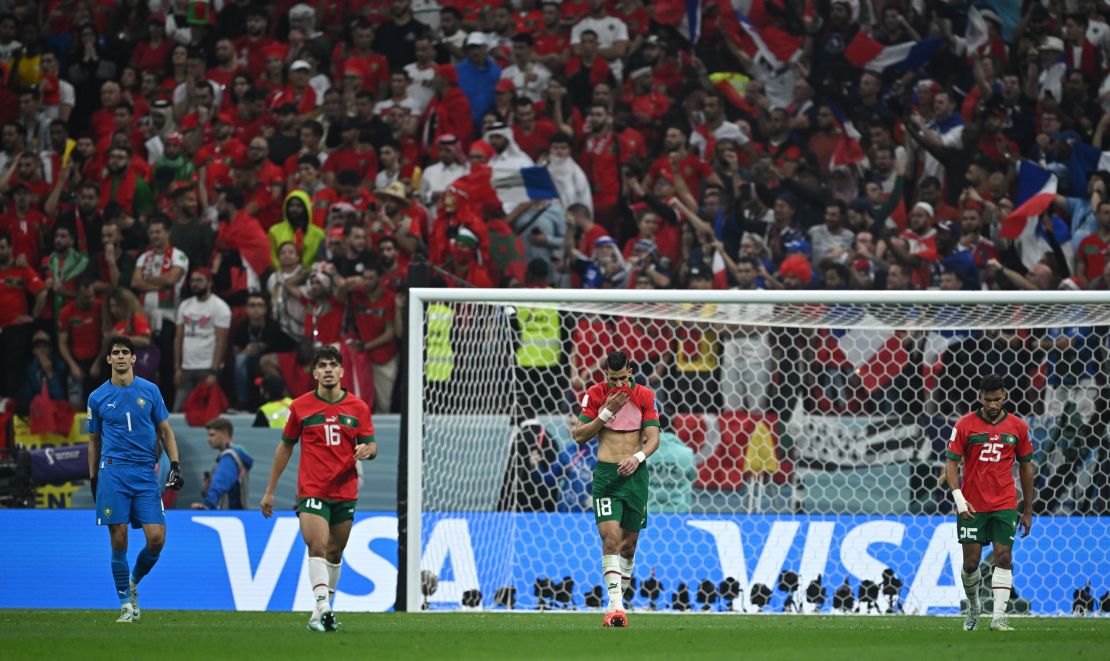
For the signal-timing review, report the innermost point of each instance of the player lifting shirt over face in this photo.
(622, 415)
(987, 442)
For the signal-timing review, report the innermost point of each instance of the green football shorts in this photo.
(987, 527)
(333, 511)
(622, 499)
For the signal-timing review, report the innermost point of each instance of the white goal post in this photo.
(843, 316)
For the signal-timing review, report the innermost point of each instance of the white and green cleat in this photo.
(1000, 624)
(314, 623)
(971, 619)
(135, 601)
(127, 615)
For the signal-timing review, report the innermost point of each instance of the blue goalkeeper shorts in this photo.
(128, 493)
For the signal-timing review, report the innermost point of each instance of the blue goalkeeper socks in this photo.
(119, 573)
(143, 564)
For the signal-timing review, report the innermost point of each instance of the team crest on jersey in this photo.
(108, 511)
(141, 402)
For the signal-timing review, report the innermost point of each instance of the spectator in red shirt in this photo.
(1091, 256)
(449, 109)
(227, 64)
(16, 283)
(694, 171)
(79, 337)
(598, 155)
(532, 135)
(463, 262)
(151, 55)
(373, 310)
(24, 226)
(552, 41)
(252, 47)
(359, 54)
(351, 155)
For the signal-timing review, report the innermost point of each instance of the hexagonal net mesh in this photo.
(801, 460)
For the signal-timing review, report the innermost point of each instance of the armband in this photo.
(604, 415)
(640, 455)
(961, 502)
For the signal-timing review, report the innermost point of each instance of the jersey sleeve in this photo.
(292, 432)
(957, 443)
(93, 414)
(650, 417)
(1024, 446)
(591, 402)
(365, 427)
(158, 410)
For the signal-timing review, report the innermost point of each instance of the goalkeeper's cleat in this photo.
(971, 620)
(127, 614)
(1000, 624)
(135, 601)
(615, 619)
(327, 618)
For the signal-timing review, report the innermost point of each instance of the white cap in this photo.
(925, 206)
(476, 39)
(300, 64)
(1053, 43)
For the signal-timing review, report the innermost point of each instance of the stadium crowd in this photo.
(231, 182)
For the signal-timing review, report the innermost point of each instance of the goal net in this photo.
(802, 453)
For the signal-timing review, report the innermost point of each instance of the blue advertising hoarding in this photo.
(241, 561)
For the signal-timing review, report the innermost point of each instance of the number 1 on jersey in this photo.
(128, 420)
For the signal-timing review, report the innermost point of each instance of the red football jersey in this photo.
(330, 432)
(988, 451)
(638, 412)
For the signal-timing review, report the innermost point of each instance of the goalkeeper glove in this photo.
(174, 480)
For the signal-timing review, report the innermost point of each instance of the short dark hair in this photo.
(326, 353)
(580, 209)
(121, 341)
(991, 383)
(221, 424)
(616, 361)
(261, 295)
(316, 127)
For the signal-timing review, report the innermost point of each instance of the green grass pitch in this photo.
(207, 635)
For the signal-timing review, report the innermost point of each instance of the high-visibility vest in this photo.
(540, 338)
(276, 412)
(440, 359)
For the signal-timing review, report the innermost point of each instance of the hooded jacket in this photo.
(308, 240)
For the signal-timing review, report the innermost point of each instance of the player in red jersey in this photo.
(988, 441)
(623, 416)
(337, 431)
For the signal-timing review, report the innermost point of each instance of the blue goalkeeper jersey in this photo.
(127, 418)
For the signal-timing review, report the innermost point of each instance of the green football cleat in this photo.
(971, 619)
(1000, 624)
(126, 615)
(135, 601)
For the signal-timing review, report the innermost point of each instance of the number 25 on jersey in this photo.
(991, 452)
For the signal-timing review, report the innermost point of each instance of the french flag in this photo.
(778, 47)
(1085, 159)
(690, 27)
(515, 187)
(1036, 191)
(865, 52)
(876, 356)
(848, 150)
